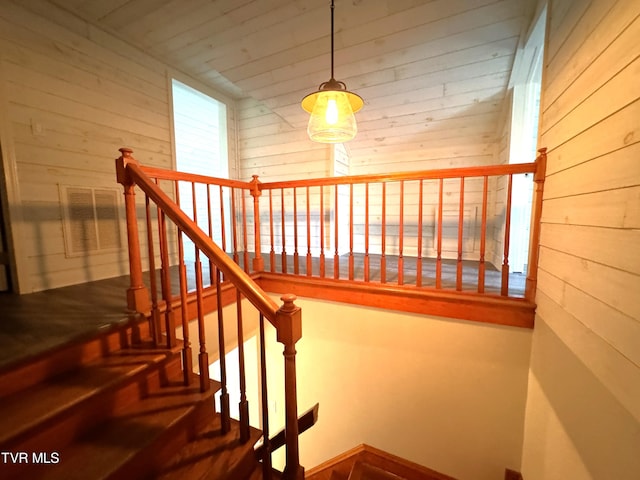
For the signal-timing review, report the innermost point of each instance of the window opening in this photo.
(200, 132)
(525, 115)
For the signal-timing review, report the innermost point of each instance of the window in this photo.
(527, 84)
(200, 128)
(200, 132)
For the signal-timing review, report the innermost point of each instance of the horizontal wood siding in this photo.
(585, 373)
(74, 95)
(274, 150)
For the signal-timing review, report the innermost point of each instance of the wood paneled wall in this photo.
(72, 96)
(274, 150)
(583, 413)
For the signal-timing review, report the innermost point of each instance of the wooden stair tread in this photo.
(365, 471)
(104, 450)
(64, 358)
(26, 410)
(337, 476)
(213, 455)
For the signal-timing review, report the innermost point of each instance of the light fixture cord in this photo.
(332, 9)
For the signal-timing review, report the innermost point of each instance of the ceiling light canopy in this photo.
(332, 108)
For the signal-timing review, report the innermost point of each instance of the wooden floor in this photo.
(492, 280)
(35, 323)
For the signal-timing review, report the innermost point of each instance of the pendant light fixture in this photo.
(332, 108)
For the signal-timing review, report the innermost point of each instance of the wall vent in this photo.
(91, 220)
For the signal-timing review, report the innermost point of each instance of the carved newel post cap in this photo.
(288, 300)
(125, 151)
(289, 321)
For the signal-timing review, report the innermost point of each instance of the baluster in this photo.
(504, 290)
(187, 360)
(223, 226)
(203, 356)
(483, 235)
(296, 267)
(534, 240)
(272, 253)
(366, 232)
(420, 220)
(322, 260)
(258, 261)
(154, 326)
(194, 207)
(225, 415)
(283, 258)
(351, 231)
(165, 280)
(289, 331)
(243, 406)
(383, 256)
(460, 234)
(309, 257)
(223, 235)
(245, 239)
(439, 245)
(210, 224)
(234, 226)
(336, 256)
(401, 235)
(266, 458)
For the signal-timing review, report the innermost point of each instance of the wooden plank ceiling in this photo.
(425, 68)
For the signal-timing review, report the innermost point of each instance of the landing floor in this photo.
(37, 322)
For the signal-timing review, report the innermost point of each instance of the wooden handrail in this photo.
(286, 319)
(462, 172)
(388, 245)
(164, 174)
(402, 238)
(231, 270)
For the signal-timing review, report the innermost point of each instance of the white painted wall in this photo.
(583, 404)
(446, 394)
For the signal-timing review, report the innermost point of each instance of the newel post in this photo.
(289, 331)
(258, 261)
(137, 293)
(536, 216)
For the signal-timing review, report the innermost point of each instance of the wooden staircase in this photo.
(111, 408)
(365, 462)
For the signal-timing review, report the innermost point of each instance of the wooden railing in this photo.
(186, 253)
(435, 242)
(442, 238)
(357, 218)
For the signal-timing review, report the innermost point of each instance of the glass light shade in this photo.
(332, 119)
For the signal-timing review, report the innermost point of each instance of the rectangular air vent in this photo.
(91, 220)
